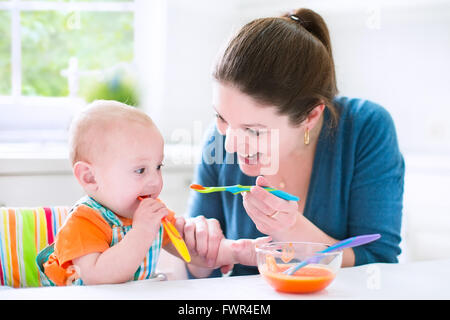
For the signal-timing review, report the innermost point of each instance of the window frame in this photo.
(34, 112)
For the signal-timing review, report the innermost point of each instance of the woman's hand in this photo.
(202, 237)
(271, 215)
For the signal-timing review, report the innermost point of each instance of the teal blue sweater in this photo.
(356, 184)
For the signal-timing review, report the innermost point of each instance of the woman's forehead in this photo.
(238, 108)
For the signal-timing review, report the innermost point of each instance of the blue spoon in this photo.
(347, 243)
(238, 189)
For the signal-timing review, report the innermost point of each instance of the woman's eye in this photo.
(140, 171)
(220, 118)
(253, 132)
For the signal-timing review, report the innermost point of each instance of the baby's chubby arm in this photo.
(119, 263)
(240, 251)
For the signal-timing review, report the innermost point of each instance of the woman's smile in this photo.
(249, 159)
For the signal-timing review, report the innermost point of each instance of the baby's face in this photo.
(129, 166)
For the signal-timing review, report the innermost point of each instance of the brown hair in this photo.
(283, 61)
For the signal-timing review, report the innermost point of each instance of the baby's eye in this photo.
(160, 166)
(140, 170)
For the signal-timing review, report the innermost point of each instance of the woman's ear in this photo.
(313, 117)
(84, 173)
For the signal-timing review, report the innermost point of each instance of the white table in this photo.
(418, 280)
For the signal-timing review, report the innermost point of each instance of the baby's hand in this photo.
(244, 250)
(147, 218)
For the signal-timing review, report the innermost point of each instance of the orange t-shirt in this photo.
(85, 231)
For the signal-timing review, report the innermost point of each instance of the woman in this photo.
(282, 125)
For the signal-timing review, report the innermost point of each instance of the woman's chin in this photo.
(256, 168)
(251, 171)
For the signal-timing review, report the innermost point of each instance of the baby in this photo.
(111, 236)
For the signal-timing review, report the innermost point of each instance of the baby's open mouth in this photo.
(144, 197)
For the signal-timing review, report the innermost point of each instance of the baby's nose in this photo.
(153, 182)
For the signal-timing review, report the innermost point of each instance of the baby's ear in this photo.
(84, 173)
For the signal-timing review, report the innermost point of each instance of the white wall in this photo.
(392, 52)
(195, 31)
(403, 63)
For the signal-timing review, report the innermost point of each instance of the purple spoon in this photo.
(347, 243)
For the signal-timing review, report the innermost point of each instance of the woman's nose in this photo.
(230, 140)
(237, 141)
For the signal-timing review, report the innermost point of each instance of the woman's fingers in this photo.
(257, 203)
(253, 210)
(263, 222)
(215, 236)
(269, 220)
(201, 235)
(265, 197)
(262, 182)
(189, 236)
(270, 200)
(179, 225)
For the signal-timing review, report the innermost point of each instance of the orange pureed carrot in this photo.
(307, 279)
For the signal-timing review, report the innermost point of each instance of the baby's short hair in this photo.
(95, 118)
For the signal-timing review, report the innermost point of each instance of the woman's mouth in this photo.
(249, 159)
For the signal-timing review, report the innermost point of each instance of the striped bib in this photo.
(147, 268)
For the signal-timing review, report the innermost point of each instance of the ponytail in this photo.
(315, 25)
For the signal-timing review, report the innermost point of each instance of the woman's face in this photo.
(257, 133)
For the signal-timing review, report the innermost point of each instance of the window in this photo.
(51, 54)
(5, 45)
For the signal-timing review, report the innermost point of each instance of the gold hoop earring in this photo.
(306, 137)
